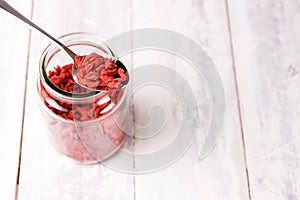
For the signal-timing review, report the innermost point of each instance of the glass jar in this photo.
(86, 126)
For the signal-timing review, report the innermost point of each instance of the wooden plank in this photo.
(266, 48)
(44, 173)
(13, 56)
(222, 174)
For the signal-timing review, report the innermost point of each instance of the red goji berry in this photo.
(83, 142)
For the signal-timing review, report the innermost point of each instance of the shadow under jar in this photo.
(84, 125)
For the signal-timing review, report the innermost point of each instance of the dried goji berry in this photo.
(80, 141)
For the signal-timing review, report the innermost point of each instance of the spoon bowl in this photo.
(118, 63)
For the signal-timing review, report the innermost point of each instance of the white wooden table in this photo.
(255, 46)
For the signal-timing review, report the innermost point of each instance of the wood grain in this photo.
(222, 174)
(44, 173)
(13, 56)
(266, 48)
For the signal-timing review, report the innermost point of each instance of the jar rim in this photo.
(56, 49)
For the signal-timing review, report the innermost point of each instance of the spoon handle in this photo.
(4, 5)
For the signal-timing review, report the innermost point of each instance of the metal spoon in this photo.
(4, 5)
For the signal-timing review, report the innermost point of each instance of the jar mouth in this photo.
(71, 40)
(52, 49)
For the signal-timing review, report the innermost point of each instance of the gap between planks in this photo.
(238, 95)
(24, 105)
(133, 112)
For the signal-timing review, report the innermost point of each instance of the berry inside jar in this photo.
(85, 129)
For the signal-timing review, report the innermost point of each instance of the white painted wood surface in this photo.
(266, 47)
(13, 56)
(222, 174)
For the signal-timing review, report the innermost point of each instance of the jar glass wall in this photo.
(86, 126)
